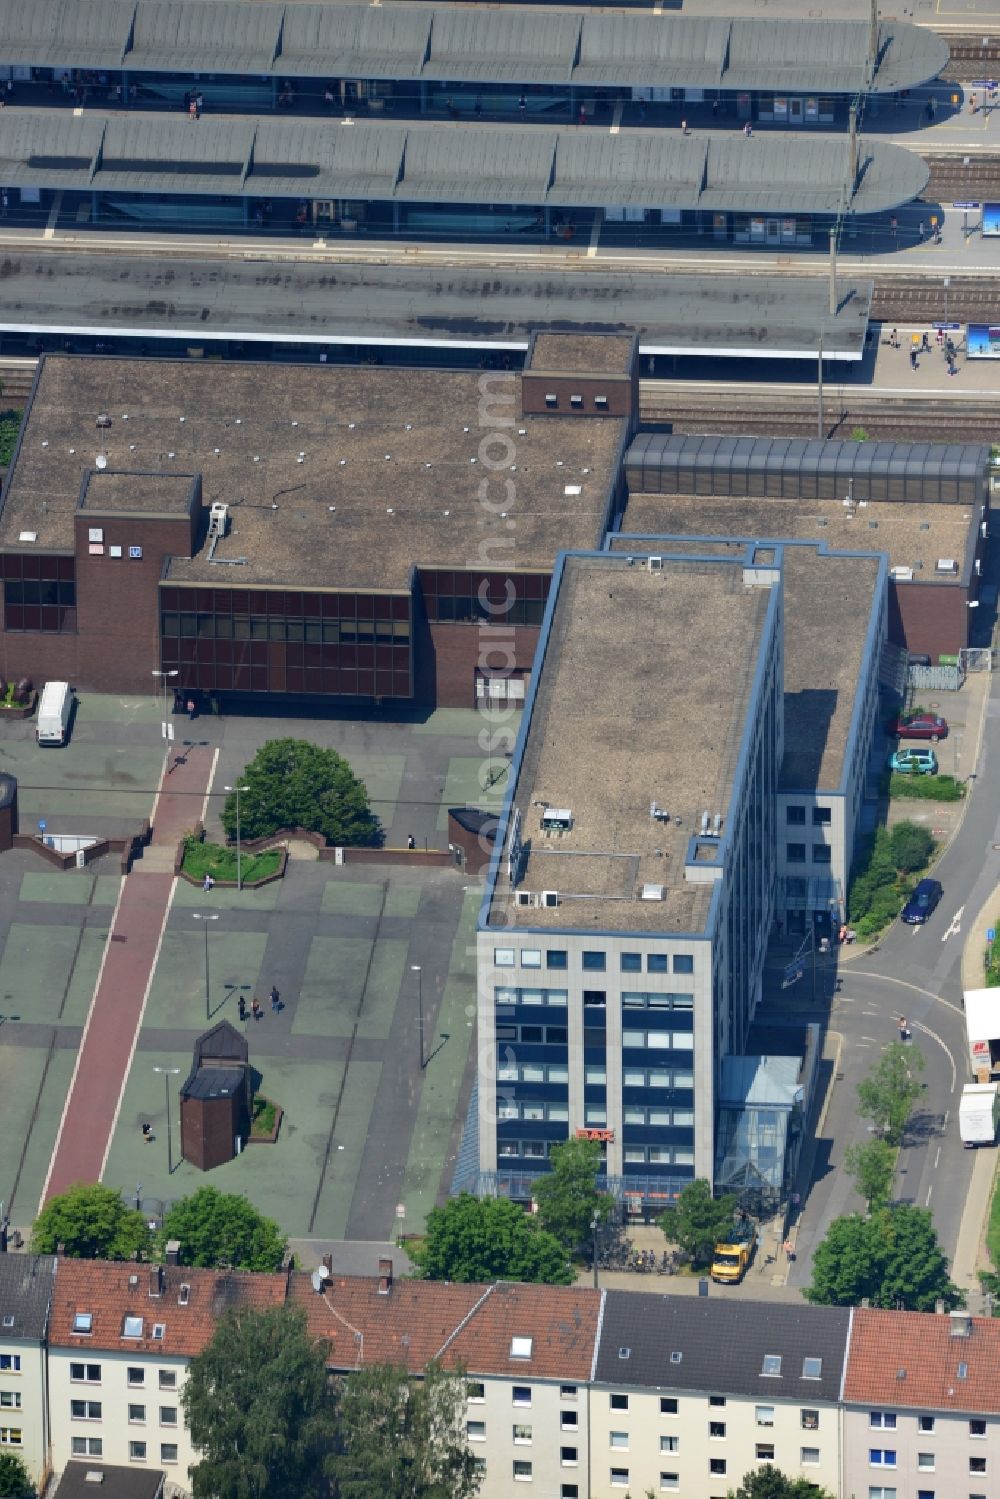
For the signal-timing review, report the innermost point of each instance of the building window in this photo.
(631, 962)
(669, 1481)
(567, 1457)
(822, 853)
(85, 1373)
(168, 1379)
(168, 1452)
(619, 1478)
(821, 817)
(10, 1400)
(168, 1415)
(795, 816)
(137, 1452)
(881, 1493)
(668, 1405)
(795, 853)
(618, 1439)
(522, 1436)
(812, 1368)
(569, 1491)
(765, 1452)
(137, 1413)
(134, 1376)
(656, 962)
(670, 1444)
(521, 1394)
(594, 962)
(556, 957)
(567, 1392)
(475, 1390)
(12, 1436)
(45, 604)
(977, 1465)
(925, 1423)
(882, 1420)
(85, 1410)
(716, 1430)
(522, 1471)
(810, 1420)
(977, 1428)
(716, 1400)
(925, 1494)
(717, 1465)
(475, 1431)
(85, 1446)
(568, 1420)
(503, 957)
(531, 957)
(809, 1457)
(10, 1363)
(765, 1415)
(882, 1457)
(925, 1462)
(619, 1402)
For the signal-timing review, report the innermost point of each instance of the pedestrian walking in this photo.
(208, 882)
(903, 1031)
(275, 1001)
(748, 130)
(913, 360)
(893, 226)
(199, 104)
(192, 109)
(925, 344)
(522, 103)
(191, 707)
(684, 128)
(147, 1132)
(243, 1008)
(258, 1013)
(411, 842)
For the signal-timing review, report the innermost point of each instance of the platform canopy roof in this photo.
(514, 44)
(243, 156)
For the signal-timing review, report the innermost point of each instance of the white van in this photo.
(54, 712)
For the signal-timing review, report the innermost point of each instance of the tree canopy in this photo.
(768, 1482)
(698, 1221)
(873, 1166)
(892, 1257)
(292, 783)
(567, 1195)
(887, 1095)
(403, 1438)
(488, 1238)
(15, 1480)
(91, 1222)
(223, 1228)
(258, 1407)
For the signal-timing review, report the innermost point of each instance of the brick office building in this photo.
(378, 534)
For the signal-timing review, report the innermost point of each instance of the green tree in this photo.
(258, 1407)
(891, 1257)
(911, 846)
(488, 1238)
(887, 1095)
(400, 1437)
(90, 1223)
(223, 1228)
(698, 1221)
(873, 1166)
(769, 1482)
(15, 1480)
(291, 783)
(567, 1195)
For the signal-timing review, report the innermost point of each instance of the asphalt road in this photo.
(915, 971)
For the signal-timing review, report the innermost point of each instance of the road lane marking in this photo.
(885, 978)
(927, 1199)
(937, 1158)
(915, 1024)
(956, 925)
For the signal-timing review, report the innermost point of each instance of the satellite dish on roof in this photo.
(320, 1276)
(101, 460)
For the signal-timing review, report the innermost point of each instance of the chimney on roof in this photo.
(939, 1308)
(961, 1324)
(327, 1263)
(384, 1275)
(156, 1280)
(173, 1252)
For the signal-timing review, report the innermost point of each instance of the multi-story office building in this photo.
(626, 914)
(26, 1290)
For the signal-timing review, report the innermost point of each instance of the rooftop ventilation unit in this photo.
(218, 517)
(901, 574)
(655, 564)
(653, 892)
(557, 820)
(101, 461)
(550, 897)
(103, 420)
(946, 565)
(525, 898)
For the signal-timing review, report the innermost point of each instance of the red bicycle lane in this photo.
(123, 983)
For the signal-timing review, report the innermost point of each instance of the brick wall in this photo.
(447, 656)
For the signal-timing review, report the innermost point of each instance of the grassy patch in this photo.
(265, 1112)
(211, 858)
(10, 426)
(993, 1229)
(992, 966)
(926, 788)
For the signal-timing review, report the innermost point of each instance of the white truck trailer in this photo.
(979, 1114)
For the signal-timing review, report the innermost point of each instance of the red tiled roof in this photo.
(471, 1325)
(104, 1290)
(912, 1359)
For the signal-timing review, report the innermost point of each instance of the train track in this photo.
(845, 414)
(962, 179)
(966, 299)
(972, 57)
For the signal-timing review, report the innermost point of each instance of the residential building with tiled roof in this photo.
(26, 1286)
(120, 1340)
(922, 1406)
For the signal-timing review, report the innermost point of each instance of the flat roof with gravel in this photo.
(334, 477)
(582, 353)
(642, 697)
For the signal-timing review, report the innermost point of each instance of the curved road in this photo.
(915, 971)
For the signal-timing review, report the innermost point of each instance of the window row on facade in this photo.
(275, 627)
(557, 958)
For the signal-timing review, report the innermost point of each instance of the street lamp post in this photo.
(163, 675)
(595, 1224)
(239, 868)
(168, 1073)
(205, 919)
(416, 968)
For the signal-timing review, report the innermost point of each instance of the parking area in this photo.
(956, 754)
(357, 952)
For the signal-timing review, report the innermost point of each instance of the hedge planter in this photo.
(19, 710)
(265, 1109)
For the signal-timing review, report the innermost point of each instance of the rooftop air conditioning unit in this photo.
(901, 574)
(946, 565)
(525, 898)
(557, 820)
(550, 897)
(653, 892)
(655, 564)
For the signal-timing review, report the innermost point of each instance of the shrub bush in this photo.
(884, 876)
(927, 788)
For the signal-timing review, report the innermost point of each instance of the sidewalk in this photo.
(970, 1250)
(126, 972)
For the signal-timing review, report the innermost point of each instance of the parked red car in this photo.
(920, 726)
